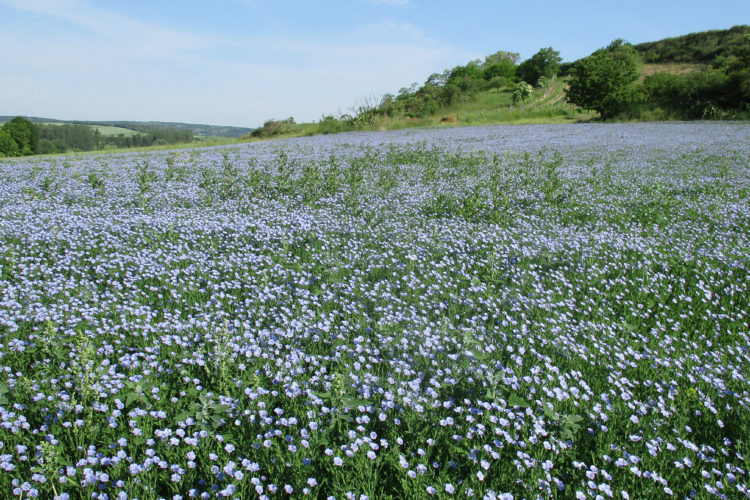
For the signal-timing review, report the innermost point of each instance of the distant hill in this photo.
(195, 129)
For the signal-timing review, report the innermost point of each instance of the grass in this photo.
(671, 68)
(547, 106)
(536, 311)
(107, 130)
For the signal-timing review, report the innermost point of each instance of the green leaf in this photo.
(549, 412)
(131, 397)
(573, 420)
(515, 400)
(181, 417)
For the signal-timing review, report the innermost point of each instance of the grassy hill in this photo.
(710, 69)
(695, 48)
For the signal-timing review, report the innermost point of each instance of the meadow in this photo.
(542, 311)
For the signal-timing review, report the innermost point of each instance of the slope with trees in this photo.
(717, 87)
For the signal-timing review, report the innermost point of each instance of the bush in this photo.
(25, 135)
(274, 127)
(505, 69)
(666, 91)
(8, 146)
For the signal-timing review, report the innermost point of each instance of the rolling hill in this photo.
(135, 126)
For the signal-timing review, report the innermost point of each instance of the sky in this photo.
(242, 62)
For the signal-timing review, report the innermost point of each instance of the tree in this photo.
(8, 146)
(605, 80)
(438, 79)
(545, 63)
(47, 146)
(506, 69)
(24, 133)
(522, 93)
(501, 56)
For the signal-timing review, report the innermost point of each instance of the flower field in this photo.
(495, 312)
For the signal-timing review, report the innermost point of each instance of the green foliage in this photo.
(722, 91)
(501, 56)
(505, 69)
(68, 137)
(522, 93)
(706, 47)
(470, 72)
(331, 125)
(24, 133)
(8, 146)
(665, 90)
(149, 136)
(543, 64)
(44, 138)
(700, 95)
(605, 80)
(273, 128)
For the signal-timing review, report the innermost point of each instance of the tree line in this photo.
(500, 70)
(21, 137)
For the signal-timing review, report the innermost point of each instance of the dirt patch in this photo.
(673, 68)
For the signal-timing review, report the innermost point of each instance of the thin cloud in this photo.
(115, 26)
(149, 72)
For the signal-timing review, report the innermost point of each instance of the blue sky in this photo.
(240, 62)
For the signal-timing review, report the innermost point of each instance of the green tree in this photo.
(24, 133)
(545, 63)
(8, 146)
(438, 79)
(501, 56)
(522, 93)
(47, 146)
(605, 81)
(506, 69)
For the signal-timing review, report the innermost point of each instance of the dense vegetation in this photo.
(21, 137)
(621, 81)
(18, 137)
(497, 312)
(606, 80)
(718, 87)
(713, 47)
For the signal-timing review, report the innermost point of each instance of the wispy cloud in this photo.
(114, 26)
(81, 61)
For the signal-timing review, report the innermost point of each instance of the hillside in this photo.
(696, 76)
(695, 48)
(135, 126)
